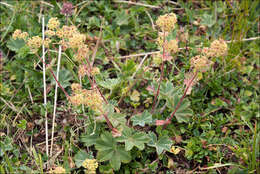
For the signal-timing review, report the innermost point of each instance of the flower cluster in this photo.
(95, 71)
(18, 34)
(82, 71)
(171, 46)
(67, 9)
(167, 22)
(218, 48)
(91, 165)
(58, 170)
(200, 63)
(34, 43)
(90, 98)
(49, 33)
(67, 31)
(53, 23)
(82, 53)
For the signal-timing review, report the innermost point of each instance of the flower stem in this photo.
(168, 120)
(161, 76)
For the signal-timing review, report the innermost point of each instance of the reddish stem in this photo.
(55, 78)
(94, 82)
(168, 120)
(161, 77)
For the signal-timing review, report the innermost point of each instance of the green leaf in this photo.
(22, 124)
(183, 113)
(172, 96)
(115, 118)
(82, 156)
(142, 119)
(132, 138)
(208, 20)
(122, 18)
(109, 150)
(89, 140)
(135, 96)
(163, 143)
(64, 78)
(167, 90)
(15, 45)
(109, 83)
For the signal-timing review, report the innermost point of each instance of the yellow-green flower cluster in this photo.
(82, 53)
(49, 33)
(218, 48)
(18, 34)
(90, 98)
(171, 46)
(95, 71)
(67, 31)
(34, 43)
(77, 40)
(167, 22)
(58, 170)
(53, 23)
(200, 63)
(91, 165)
(82, 71)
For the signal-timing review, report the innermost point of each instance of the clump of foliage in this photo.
(189, 105)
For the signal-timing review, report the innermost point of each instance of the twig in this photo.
(182, 98)
(30, 94)
(55, 100)
(143, 54)
(139, 66)
(18, 114)
(148, 14)
(247, 39)
(137, 3)
(174, 3)
(44, 88)
(46, 3)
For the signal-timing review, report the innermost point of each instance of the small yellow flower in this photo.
(82, 71)
(95, 71)
(82, 53)
(174, 150)
(59, 170)
(76, 40)
(171, 46)
(50, 33)
(91, 165)
(75, 87)
(53, 23)
(18, 34)
(219, 48)
(46, 42)
(167, 22)
(200, 63)
(34, 43)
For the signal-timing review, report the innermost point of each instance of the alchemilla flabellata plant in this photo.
(129, 115)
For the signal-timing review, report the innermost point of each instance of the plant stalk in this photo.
(168, 120)
(161, 77)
